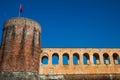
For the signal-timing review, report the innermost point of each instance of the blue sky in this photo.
(70, 23)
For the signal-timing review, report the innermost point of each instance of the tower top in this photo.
(24, 21)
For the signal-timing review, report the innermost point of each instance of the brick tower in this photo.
(20, 49)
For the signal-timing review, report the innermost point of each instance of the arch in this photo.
(65, 58)
(44, 60)
(55, 58)
(75, 58)
(96, 58)
(106, 58)
(86, 58)
(116, 58)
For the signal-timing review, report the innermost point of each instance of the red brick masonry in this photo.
(20, 46)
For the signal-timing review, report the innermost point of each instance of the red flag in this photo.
(20, 8)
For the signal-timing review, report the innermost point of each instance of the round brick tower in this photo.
(20, 49)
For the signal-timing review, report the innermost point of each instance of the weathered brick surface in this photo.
(20, 47)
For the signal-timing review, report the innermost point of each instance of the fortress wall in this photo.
(80, 68)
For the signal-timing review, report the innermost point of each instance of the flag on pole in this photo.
(20, 8)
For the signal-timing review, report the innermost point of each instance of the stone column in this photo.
(101, 58)
(60, 60)
(111, 58)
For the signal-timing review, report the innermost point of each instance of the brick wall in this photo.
(80, 68)
(20, 46)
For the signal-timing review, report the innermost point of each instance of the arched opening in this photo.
(96, 58)
(44, 60)
(55, 58)
(75, 58)
(65, 58)
(106, 58)
(86, 58)
(116, 58)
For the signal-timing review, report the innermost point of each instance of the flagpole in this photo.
(19, 14)
(20, 10)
